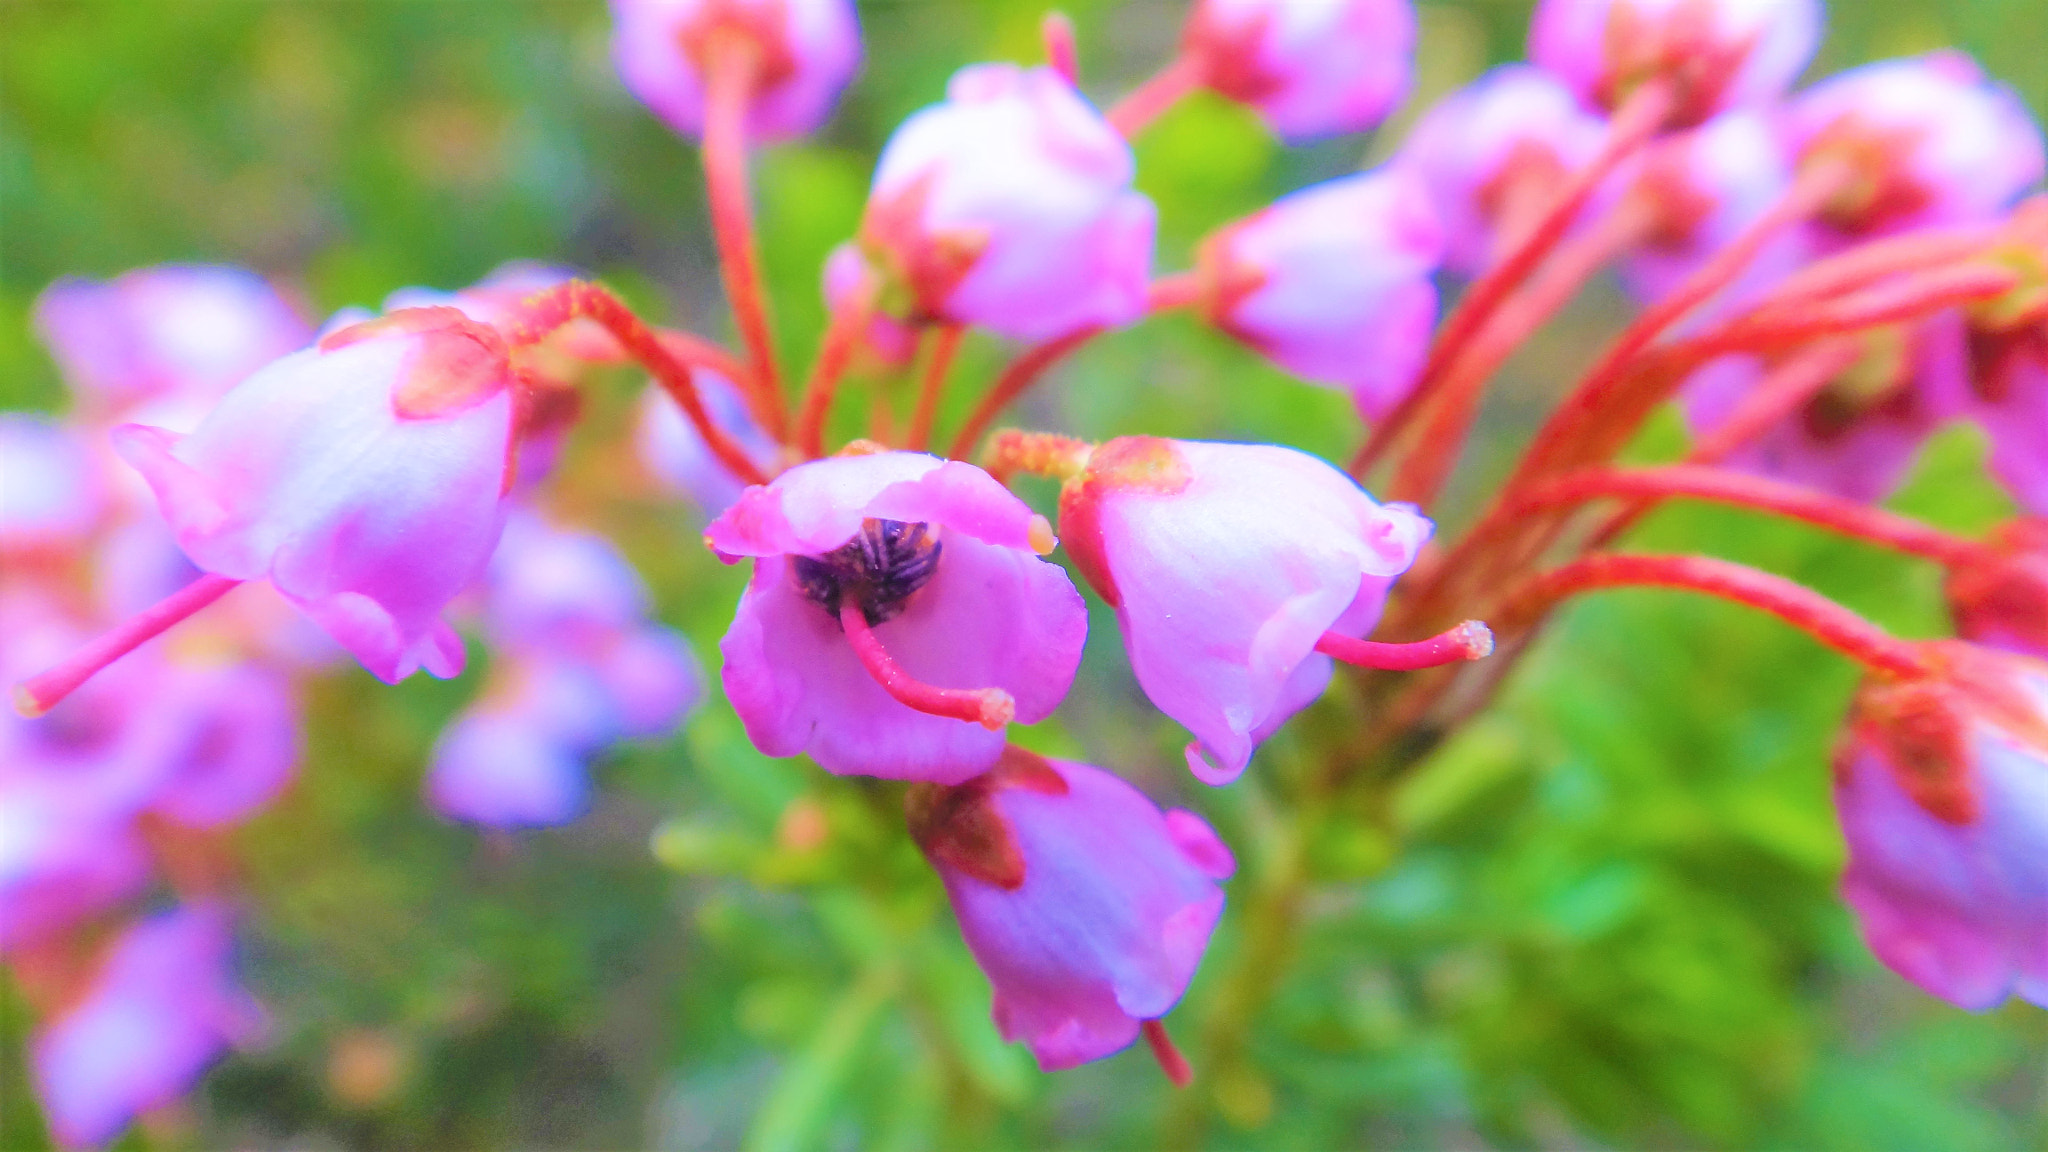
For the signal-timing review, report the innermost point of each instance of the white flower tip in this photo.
(998, 708)
(1476, 638)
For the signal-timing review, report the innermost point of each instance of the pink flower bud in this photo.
(1942, 790)
(944, 565)
(1716, 54)
(184, 331)
(1333, 283)
(1310, 67)
(1493, 154)
(162, 1007)
(362, 478)
(1087, 907)
(1930, 141)
(1009, 206)
(1703, 188)
(1226, 563)
(804, 52)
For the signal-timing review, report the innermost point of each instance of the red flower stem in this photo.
(1796, 604)
(1807, 505)
(1056, 31)
(1167, 87)
(551, 308)
(1639, 118)
(1019, 375)
(1875, 260)
(698, 352)
(38, 694)
(1783, 390)
(1773, 326)
(989, 707)
(945, 345)
(1047, 454)
(732, 68)
(843, 333)
(1468, 641)
(1168, 1054)
(1174, 290)
(1422, 472)
(1593, 420)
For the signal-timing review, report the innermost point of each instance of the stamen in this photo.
(38, 694)
(989, 707)
(1170, 1060)
(1471, 640)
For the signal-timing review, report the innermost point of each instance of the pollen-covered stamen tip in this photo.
(992, 708)
(1168, 1054)
(1471, 640)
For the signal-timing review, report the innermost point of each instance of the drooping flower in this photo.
(1333, 283)
(1493, 155)
(578, 666)
(1716, 54)
(362, 478)
(1009, 206)
(1942, 791)
(162, 1007)
(174, 331)
(1088, 908)
(803, 52)
(1929, 141)
(1227, 564)
(899, 615)
(1311, 68)
(675, 453)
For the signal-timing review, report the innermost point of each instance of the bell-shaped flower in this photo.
(1009, 206)
(161, 1008)
(1333, 283)
(1311, 68)
(898, 617)
(1715, 54)
(1494, 153)
(577, 667)
(1859, 435)
(362, 478)
(675, 453)
(1942, 791)
(1699, 190)
(1929, 141)
(802, 53)
(1088, 908)
(1229, 566)
(173, 331)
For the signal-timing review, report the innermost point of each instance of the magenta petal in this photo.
(189, 500)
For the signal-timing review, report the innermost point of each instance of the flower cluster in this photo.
(1824, 276)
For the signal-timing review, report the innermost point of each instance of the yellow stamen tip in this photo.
(26, 703)
(1040, 536)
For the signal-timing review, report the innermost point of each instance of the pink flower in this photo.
(1942, 791)
(805, 52)
(1311, 67)
(190, 331)
(898, 615)
(362, 478)
(1929, 139)
(50, 491)
(668, 444)
(1333, 283)
(1010, 206)
(1717, 54)
(1086, 906)
(163, 1006)
(1704, 188)
(1861, 433)
(1493, 153)
(1227, 564)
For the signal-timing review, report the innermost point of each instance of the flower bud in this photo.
(1494, 153)
(161, 1008)
(362, 478)
(803, 53)
(1311, 68)
(1928, 140)
(1939, 788)
(1715, 54)
(1087, 907)
(943, 564)
(1226, 564)
(1333, 283)
(1009, 206)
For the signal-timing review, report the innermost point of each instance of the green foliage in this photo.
(1603, 914)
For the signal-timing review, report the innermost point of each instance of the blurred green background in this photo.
(1603, 916)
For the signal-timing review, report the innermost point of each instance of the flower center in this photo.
(879, 568)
